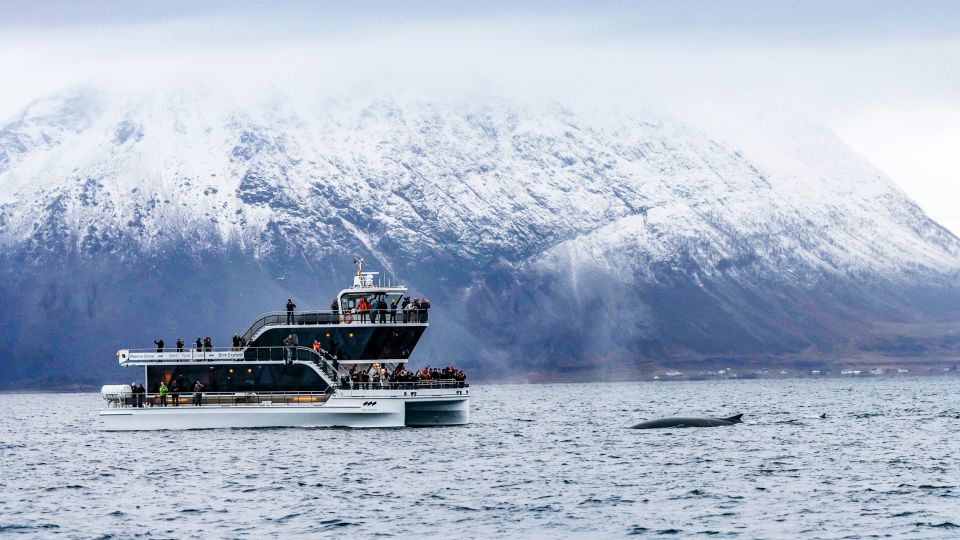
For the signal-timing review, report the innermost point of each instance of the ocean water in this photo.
(536, 461)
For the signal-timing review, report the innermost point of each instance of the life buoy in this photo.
(348, 317)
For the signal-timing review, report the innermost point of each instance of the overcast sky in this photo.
(884, 75)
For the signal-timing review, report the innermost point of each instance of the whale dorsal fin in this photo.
(735, 419)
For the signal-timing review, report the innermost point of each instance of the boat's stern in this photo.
(446, 412)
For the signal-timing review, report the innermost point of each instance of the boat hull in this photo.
(366, 412)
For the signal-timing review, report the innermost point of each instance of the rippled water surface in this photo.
(537, 460)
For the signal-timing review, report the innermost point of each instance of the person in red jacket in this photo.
(363, 308)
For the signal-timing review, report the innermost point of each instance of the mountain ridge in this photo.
(658, 240)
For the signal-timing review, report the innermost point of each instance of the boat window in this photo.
(237, 378)
(348, 342)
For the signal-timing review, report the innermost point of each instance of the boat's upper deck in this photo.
(368, 321)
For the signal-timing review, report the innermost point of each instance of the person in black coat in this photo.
(290, 307)
(159, 344)
(179, 344)
(175, 392)
(382, 310)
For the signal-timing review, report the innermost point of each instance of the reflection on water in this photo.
(537, 460)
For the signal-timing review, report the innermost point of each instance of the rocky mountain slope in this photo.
(552, 241)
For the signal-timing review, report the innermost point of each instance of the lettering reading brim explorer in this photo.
(689, 422)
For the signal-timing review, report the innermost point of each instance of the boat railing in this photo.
(321, 317)
(328, 365)
(186, 398)
(411, 385)
(232, 354)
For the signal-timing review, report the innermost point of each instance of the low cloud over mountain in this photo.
(556, 241)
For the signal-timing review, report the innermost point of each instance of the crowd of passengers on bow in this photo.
(379, 377)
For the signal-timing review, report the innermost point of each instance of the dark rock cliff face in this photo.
(549, 243)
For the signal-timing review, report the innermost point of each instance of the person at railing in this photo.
(163, 394)
(316, 346)
(207, 344)
(382, 310)
(363, 308)
(139, 394)
(236, 342)
(159, 344)
(290, 307)
(384, 376)
(334, 312)
(424, 306)
(179, 344)
(393, 310)
(175, 392)
(197, 393)
(199, 345)
(291, 342)
(407, 310)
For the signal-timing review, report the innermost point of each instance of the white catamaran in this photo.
(352, 376)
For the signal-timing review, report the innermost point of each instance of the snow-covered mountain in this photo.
(567, 241)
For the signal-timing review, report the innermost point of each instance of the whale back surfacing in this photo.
(689, 422)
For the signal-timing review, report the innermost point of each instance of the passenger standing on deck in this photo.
(382, 310)
(405, 308)
(199, 345)
(316, 346)
(290, 307)
(198, 394)
(135, 387)
(175, 392)
(163, 394)
(159, 344)
(393, 310)
(236, 342)
(362, 309)
(288, 344)
(208, 343)
(424, 307)
(179, 344)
